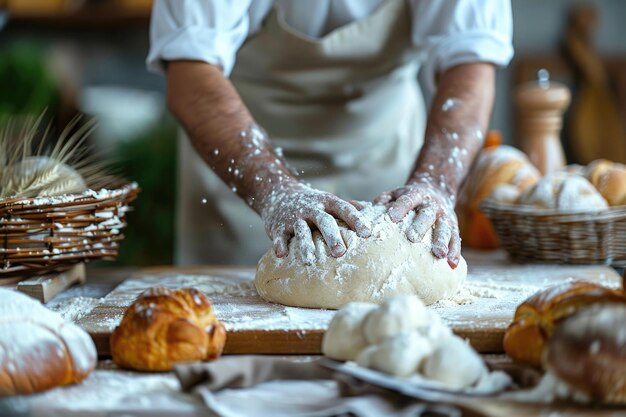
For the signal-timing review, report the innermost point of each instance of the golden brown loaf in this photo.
(38, 349)
(588, 352)
(495, 166)
(164, 327)
(565, 192)
(536, 318)
(610, 180)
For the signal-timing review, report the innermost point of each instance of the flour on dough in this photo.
(399, 355)
(373, 269)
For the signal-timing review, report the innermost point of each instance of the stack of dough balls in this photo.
(402, 337)
(38, 349)
(164, 327)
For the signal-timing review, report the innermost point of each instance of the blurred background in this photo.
(69, 57)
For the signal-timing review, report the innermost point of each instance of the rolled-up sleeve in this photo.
(204, 30)
(457, 32)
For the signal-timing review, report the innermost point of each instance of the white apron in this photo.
(346, 109)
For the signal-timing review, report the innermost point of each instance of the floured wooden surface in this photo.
(480, 311)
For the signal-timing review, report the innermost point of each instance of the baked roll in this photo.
(588, 353)
(164, 327)
(38, 349)
(563, 191)
(536, 318)
(610, 180)
(500, 172)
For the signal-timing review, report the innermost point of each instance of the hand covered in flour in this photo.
(292, 208)
(434, 207)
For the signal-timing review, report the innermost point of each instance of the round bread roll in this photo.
(588, 353)
(610, 180)
(372, 269)
(38, 349)
(59, 178)
(164, 327)
(563, 191)
(495, 166)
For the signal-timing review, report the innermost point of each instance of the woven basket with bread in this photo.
(57, 208)
(576, 215)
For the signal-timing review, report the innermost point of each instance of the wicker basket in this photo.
(45, 234)
(530, 234)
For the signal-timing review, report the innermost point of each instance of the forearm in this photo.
(458, 119)
(223, 131)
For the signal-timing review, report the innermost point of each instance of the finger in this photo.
(383, 198)
(404, 204)
(454, 252)
(281, 243)
(349, 214)
(425, 219)
(327, 226)
(441, 237)
(306, 247)
(357, 204)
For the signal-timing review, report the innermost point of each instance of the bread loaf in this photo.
(495, 166)
(563, 191)
(38, 349)
(536, 318)
(588, 353)
(164, 327)
(610, 180)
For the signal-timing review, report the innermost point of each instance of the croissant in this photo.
(536, 318)
(38, 349)
(164, 327)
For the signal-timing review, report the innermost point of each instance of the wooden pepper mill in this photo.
(540, 106)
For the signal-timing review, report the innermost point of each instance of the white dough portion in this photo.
(373, 269)
(396, 315)
(455, 364)
(344, 339)
(400, 355)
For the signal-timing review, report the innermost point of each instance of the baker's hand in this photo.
(293, 208)
(433, 207)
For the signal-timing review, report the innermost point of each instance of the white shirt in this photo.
(452, 31)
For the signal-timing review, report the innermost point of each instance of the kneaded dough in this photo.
(371, 270)
(344, 339)
(455, 364)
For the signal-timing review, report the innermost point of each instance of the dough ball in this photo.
(400, 355)
(371, 270)
(455, 364)
(435, 330)
(344, 338)
(397, 315)
(563, 191)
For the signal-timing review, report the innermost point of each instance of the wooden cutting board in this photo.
(480, 312)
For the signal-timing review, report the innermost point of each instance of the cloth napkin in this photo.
(263, 386)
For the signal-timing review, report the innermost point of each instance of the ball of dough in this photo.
(563, 191)
(455, 364)
(397, 315)
(371, 270)
(344, 338)
(400, 355)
